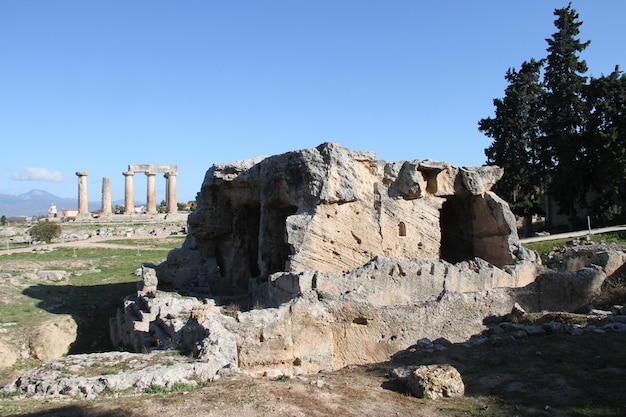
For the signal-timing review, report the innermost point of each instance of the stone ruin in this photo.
(320, 258)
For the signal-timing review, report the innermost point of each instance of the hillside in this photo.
(36, 203)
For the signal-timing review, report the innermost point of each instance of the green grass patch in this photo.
(547, 246)
(166, 242)
(176, 387)
(91, 298)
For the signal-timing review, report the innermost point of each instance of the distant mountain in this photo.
(36, 203)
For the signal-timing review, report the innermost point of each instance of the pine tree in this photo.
(559, 135)
(517, 141)
(566, 154)
(605, 137)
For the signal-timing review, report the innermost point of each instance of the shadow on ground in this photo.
(90, 306)
(556, 374)
(76, 411)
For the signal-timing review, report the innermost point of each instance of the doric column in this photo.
(170, 192)
(106, 197)
(83, 205)
(129, 199)
(151, 193)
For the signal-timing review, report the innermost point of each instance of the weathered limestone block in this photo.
(52, 339)
(479, 180)
(436, 381)
(388, 281)
(324, 321)
(332, 209)
(352, 259)
(149, 280)
(55, 276)
(567, 291)
(8, 354)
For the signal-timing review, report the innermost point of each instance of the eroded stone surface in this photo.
(320, 258)
(331, 209)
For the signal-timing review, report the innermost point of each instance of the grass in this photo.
(90, 299)
(547, 246)
(177, 387)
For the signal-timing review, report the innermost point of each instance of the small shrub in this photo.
(282, 378)
(45, 231)
(5, 395)
(156, 389)
(175, 387)
(232, 309)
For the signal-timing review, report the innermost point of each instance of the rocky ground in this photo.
(539, 374)
(552, 364)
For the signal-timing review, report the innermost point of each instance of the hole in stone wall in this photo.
(456, 230)
(275, 250)
(253, 220)
(430, 175)
(360, 320)
(401, 229)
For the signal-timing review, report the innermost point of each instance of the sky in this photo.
(94, 86)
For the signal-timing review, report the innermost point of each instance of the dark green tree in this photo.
(605, 137)
(517, 145)
(3, 220)
(566, 152)
(561, 134)
(45, 231)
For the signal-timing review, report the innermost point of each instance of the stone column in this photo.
(106, 197)
(170, 192)
(151, 193)
(83, 205)
(129, 199)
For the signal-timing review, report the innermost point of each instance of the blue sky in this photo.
(97, 85)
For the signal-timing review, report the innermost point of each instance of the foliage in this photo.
(176, 387)
(515, 130)
(560, 137)
(565, 111)
(3, 220)
(45, 231)
(606, 128)
(91, 299)
(547, 246)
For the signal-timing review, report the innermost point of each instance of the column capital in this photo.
(128, 173)
(82, 173)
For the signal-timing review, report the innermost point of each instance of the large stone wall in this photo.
(319, 258)
(332, 209)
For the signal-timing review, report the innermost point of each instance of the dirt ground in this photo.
(550, 375)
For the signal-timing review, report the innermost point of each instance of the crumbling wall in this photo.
(332, 209)
(342, 259)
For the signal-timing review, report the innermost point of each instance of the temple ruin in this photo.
(170, 172)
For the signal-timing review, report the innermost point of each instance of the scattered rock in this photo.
(55, 276)
(436, 381)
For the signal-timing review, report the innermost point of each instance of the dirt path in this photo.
(579, 233)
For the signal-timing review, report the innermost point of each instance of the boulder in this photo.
(52, 339)
(436, 381)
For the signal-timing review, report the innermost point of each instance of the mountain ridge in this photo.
(36, 202)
